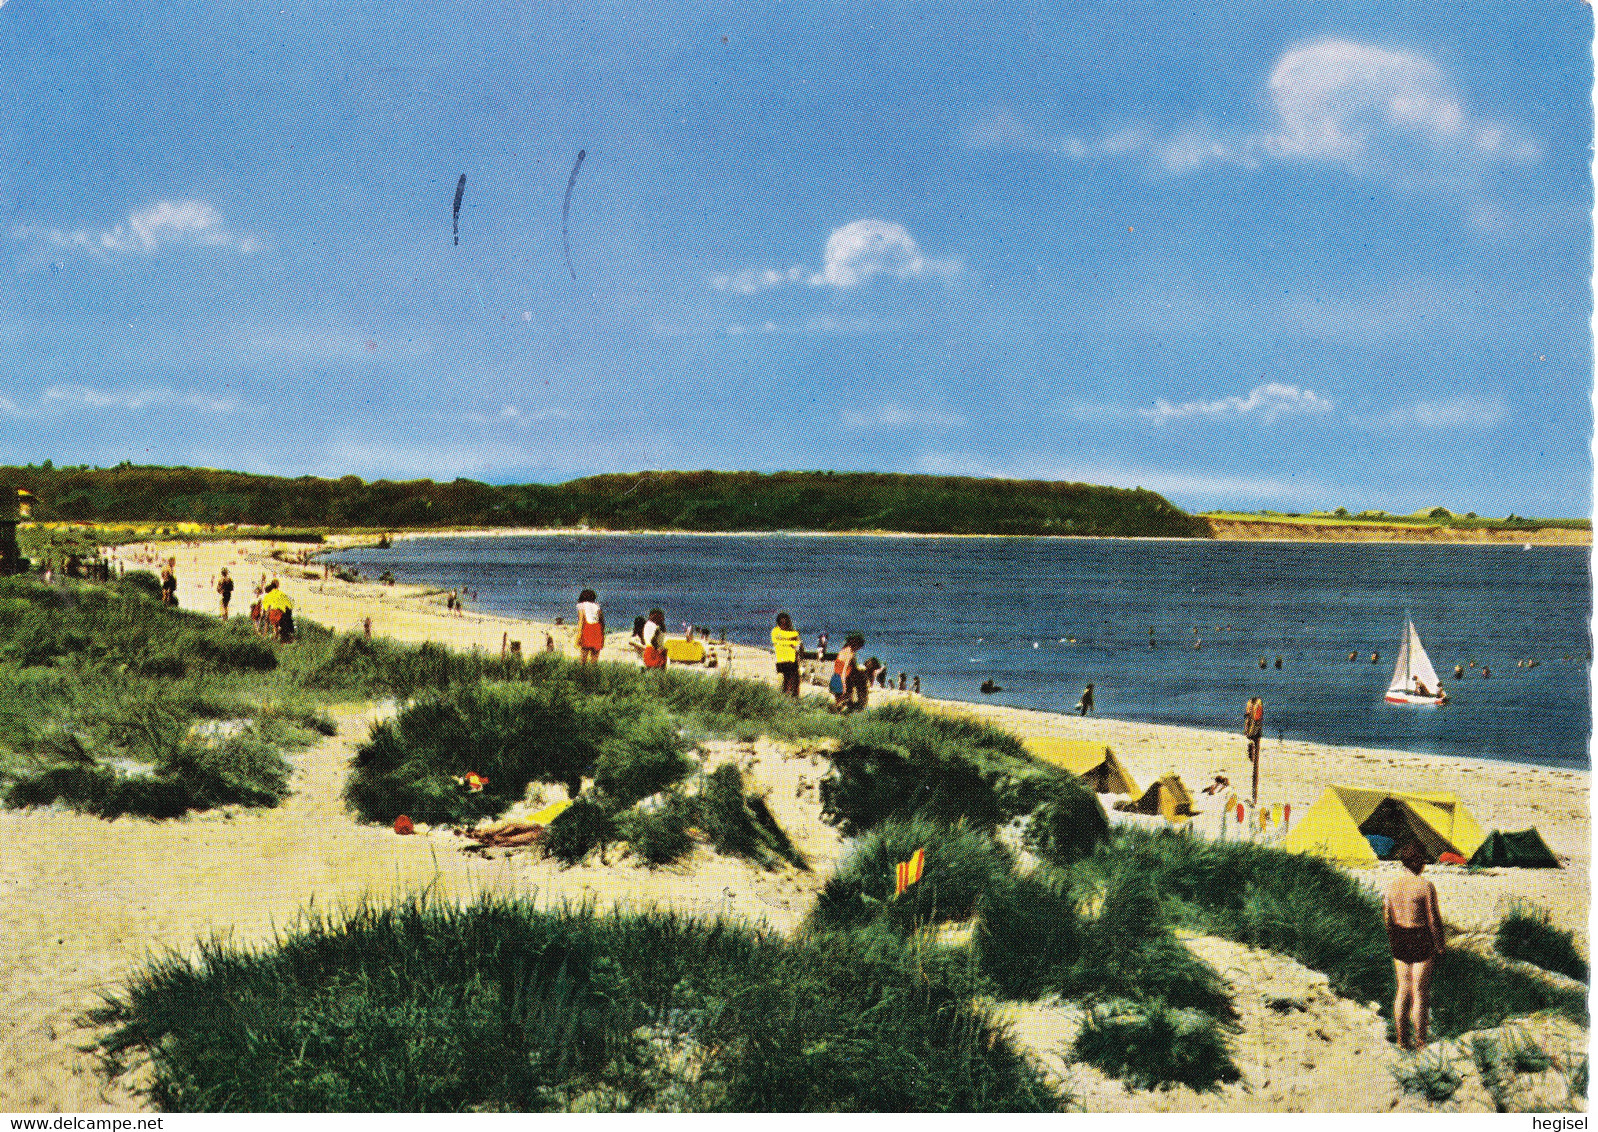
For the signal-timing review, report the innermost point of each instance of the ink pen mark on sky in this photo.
(460, 191)
(566, 212)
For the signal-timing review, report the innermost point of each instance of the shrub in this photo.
(511, 734)
(1069, 825)
(1528, 933)
(658, 836)
(960, 865)
(1292, 903)
(1128, 951)
(1430, 1075)
(1150, 1044)
(242, 770)
(644, 756)
(581, 828)
(1475, 992)
(1029, 934)
(740, 825)
(898, 762)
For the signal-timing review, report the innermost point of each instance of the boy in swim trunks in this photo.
(1415, 936)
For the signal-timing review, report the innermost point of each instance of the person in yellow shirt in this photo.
(785, 643)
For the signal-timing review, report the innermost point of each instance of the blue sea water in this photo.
(1167, 631)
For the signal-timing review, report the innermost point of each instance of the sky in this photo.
(1286, 256)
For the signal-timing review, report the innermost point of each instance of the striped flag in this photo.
(908, 872)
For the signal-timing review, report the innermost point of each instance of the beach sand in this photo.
(90, 902)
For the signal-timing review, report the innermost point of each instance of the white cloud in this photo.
(133, 400)
(897, 416)
(166, 223)
(853, 254)
(1372, 110)
(1268, 401)
(1364, 107)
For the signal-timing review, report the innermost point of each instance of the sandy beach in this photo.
(90, 901)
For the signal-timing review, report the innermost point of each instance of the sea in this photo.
(1166, 631)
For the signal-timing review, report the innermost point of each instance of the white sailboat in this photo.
(1414, 679)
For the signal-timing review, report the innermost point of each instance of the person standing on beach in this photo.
(844, 668)
(655, 640)
(169, 582)
(225, 589)
(1085, 704)
(590, 628)
(1415, 937)
(785, 642)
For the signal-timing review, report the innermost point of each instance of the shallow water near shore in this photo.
(1043, 617)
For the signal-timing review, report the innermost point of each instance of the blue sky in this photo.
(1285, 255)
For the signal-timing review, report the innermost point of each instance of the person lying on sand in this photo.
(503, 833)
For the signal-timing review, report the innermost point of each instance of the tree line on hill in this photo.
(682, 501)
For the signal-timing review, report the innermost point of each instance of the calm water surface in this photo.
(1043, 617)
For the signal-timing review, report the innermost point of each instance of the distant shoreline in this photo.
(1227, 530)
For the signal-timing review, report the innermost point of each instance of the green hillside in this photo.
(681, 501)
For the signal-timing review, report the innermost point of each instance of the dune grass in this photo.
(497, 1007)
(1304, 907)
(899, 761)
(1031, 937)
(1528, 933)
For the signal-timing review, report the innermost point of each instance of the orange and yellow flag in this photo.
(908, 872)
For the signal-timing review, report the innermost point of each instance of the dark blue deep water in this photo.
(958, 611)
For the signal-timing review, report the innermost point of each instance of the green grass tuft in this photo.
(497, 1007)
(1528, 933)
(1149, 1044)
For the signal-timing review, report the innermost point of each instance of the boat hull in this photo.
(1411, 698)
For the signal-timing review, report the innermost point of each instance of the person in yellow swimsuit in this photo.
(785, 644)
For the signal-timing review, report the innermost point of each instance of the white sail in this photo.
(1412, 663)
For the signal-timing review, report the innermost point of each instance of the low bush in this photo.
(739, 824)
(241, 770)
(512, 734)
(1475, 992)
(1068, 825)
(898, 762)
(497, 1007)
(1291, 903)
(658, 836)
(643, 755)
(1029, 935)
(1528, 934)
(1150, 1044)
(1430, 1075)
(587, 824)
(960, 865)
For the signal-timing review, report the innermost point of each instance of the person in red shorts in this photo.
(590, 628)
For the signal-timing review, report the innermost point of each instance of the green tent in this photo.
(1524, 849)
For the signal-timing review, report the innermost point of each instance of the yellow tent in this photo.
(1168, 797)
(1336, 825)
(1087, 759)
